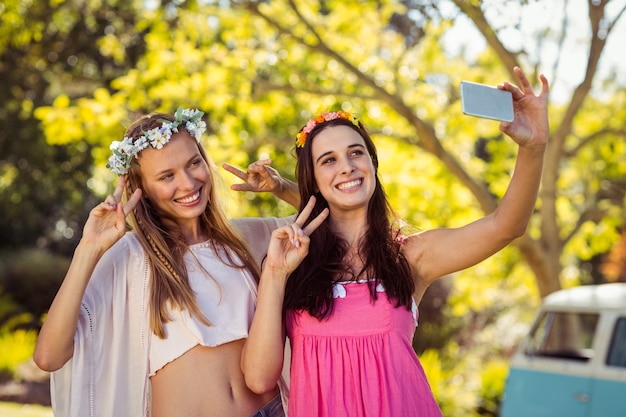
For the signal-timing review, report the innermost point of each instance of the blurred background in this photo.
(75, 73)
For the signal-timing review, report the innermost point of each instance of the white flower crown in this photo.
(126, 151)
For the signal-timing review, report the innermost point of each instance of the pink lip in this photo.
(190, 199)
(351, 184)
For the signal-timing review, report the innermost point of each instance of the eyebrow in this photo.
(355, 145)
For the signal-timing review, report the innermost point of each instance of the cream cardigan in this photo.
(108, 373)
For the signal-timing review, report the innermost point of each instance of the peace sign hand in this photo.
(107, 221)
(289, 244)
(259, 177)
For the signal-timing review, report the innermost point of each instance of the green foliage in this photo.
(469, 380)
(259, 70)
(48, 47)
(491, 387)
(448, 383)
(30, 279)
(16, 345)
(17, 342)
(8, 306)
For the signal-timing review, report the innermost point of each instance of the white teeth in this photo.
(350, 184)
(190, 199)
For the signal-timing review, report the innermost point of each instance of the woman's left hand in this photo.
(260, 177)
(530, 126)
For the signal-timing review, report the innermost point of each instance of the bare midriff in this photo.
(205, 382)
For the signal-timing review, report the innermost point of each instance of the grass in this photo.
(24, 410)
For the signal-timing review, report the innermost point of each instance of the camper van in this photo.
(572, 363)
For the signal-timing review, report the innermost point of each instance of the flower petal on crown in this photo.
(126, 150)
(301, 137)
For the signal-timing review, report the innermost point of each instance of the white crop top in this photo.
(227, 299)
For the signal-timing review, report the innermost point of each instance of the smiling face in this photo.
(177, 181)
(344, 172)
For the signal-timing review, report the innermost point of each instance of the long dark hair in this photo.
(310, 286)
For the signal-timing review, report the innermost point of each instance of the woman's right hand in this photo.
(261, 177)
(289, 244)
(107, 221)
(530, 126)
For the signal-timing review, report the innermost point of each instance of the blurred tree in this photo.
(260, 69)
(267, 66)
(72, 46)
(390, 65)
(584, 186)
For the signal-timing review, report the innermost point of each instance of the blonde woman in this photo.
(153, 321)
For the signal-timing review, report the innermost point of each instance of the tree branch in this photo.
(560, 42)
(590, 138)
(474, 12)
(262, 84)
(593, 214)
(598, 41)
(427, 137)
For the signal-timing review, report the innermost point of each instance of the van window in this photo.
(617, 351)
(564, 335)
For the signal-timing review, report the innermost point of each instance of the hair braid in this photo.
(165, 246)
(167, 284)
(157, 252)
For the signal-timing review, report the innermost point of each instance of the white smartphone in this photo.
(485, 101)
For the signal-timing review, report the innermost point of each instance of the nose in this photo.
(185, 181)
(347, 167)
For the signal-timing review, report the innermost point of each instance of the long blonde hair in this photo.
(165, 246)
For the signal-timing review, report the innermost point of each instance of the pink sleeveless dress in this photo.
(360, 362)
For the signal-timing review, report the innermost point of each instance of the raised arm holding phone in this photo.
(346, 291)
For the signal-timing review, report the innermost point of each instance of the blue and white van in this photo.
(573, 361)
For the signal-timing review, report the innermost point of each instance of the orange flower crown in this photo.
(322, 118)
